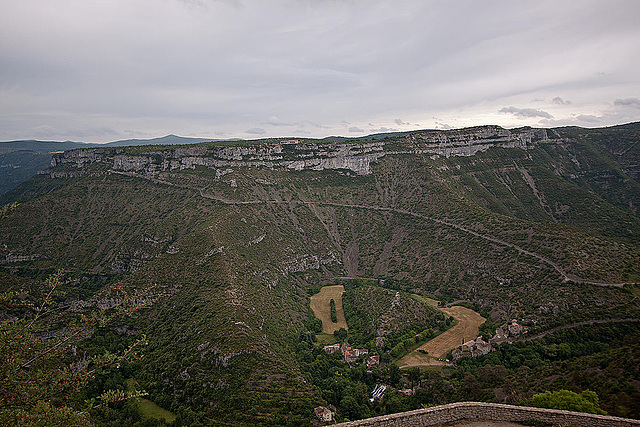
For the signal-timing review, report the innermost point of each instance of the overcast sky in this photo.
(101, 70)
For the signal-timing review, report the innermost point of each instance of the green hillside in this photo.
(531, 224)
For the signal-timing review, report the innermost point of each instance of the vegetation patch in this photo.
(150, 410)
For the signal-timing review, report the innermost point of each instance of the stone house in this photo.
(515, 329)
(473, 348)
(373, 361)
(351, 355)
(331, 348)
(325, 414)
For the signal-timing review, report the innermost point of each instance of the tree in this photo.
(414, 376)
(491, 376)
(586, 401)
(38, 379)
(334, 314)
(340, 334)
(394, 374)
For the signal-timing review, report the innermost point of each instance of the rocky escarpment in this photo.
(296, 154)
(272, 154)
(467, 142)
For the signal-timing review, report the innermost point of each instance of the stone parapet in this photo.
(476, 411)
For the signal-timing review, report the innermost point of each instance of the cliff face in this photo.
(298, 155)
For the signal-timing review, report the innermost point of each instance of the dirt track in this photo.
(466, 329)
(321, 306)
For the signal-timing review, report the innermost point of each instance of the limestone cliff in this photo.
(298, 154)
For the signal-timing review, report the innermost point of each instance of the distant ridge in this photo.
(371, 137)
(21, 159)
(37, 145)
(163, 140)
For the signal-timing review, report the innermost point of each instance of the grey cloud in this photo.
(84, 133)
(384, 129)
(275, 121)
(305, 60)
(558, 100)
(315, 125)
(256, 131)
(525, 112)
(399, 122)
(443, 126)
(355, 129)
(137, 134)
(588, 118)
(634, 102)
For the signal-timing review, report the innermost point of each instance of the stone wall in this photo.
(462, 411)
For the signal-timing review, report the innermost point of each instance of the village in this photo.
(480, 347)
(351, 355)
(472, 348)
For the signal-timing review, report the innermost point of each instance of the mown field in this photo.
(321, 306)
(466, 328)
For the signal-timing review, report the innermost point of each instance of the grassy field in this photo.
(326, 339)
(150, 410)
(466, 328)
(321, 306)
(432, 302)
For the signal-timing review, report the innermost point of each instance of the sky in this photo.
(103, 70)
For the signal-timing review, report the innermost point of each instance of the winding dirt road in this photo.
(554, 265)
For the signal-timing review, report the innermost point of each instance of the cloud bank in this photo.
(526, 112)
(108, 69)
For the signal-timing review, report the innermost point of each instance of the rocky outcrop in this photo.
(306, 155)
(467, 142)
(9, 258)
(308, 262)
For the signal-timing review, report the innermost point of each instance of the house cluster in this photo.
(325, 414)
(479, 347)
(515, 329)
(351, 355)
(505, 332)
(473, 348)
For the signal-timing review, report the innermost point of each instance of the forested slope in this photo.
(535, 224)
